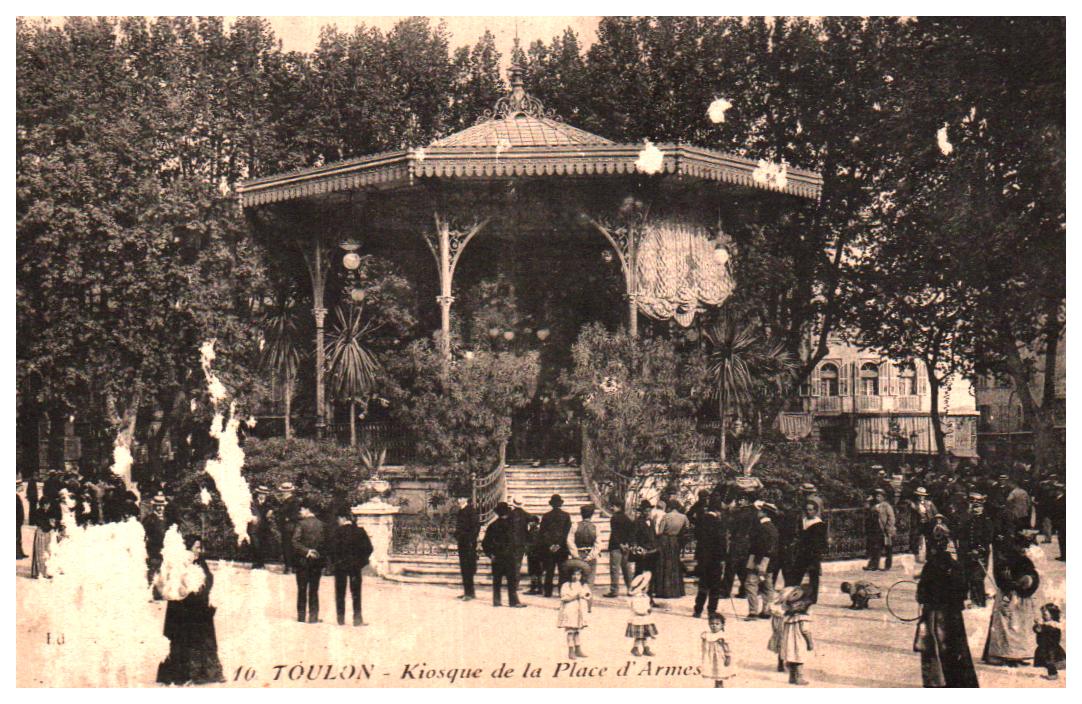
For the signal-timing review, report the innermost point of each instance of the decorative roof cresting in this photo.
(519, 102)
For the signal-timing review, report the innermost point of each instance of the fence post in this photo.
(377, 519)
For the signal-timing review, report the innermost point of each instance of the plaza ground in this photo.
(423, 636)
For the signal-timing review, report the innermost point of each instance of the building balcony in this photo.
(827, 404)
(907, 403)
(869, 403)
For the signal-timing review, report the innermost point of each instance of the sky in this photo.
(302, 33)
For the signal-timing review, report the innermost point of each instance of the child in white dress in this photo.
(640, 626)
(796, 641)
(777, 625)
(717, 660)
(574, 606)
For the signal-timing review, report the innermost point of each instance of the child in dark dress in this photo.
(1050, 654)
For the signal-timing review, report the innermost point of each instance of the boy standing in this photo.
(308, 545)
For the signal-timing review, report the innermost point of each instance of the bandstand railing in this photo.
(423, 534)
(488, 491)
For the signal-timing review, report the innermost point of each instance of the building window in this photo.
(869, 379)
(828, 380)
(907, 380)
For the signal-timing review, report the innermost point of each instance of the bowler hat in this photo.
(976, 497)
(645, 505)
(502, 509)
(556, 500)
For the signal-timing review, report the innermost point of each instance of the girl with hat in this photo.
(640, 626)
(574, 605)
(796, 637)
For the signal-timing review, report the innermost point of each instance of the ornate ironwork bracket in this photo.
(625, 241)
(447, 246)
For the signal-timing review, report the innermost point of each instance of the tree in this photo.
(282, 352)
(636, 399)
(353, 367)
(992, 91)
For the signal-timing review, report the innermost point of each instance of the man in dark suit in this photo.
(348, 550)
(645, 546)
(285, 516)
(467, 528)
(309, 539)
(520, 524)
(259, 530)
(975, 534)
(154, 526)
(621, 538)
(742, 521)
(555, 528)
(711, 546)
(499, 545)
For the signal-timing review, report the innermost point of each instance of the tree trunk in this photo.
(287, 394)
(722, 417)
(1047, 448)
(352, 423)
(937, 421)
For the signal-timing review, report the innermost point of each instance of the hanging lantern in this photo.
(357, 295)
(543, 334)
(351, 261)
(493, 332)
(509, 335)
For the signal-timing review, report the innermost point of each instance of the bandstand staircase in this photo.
(535, 486)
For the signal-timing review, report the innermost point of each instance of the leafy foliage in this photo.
(636, 399)
(460, 411)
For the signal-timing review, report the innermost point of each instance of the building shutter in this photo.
(815, 381)
(886, 379)
(843, 379)
(922, 378)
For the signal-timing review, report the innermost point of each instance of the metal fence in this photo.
(423, 534)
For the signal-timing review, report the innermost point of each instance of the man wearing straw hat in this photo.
(259, 527)
(921, 521)
(882, 538)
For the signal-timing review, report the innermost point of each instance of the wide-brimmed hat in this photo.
(556, 500)
(262, 489)
(159, 500)
(794, 596)
(516, 501)
(807, 486)
(921, 491)
(641, 582)
(576, 564)
(286, 486)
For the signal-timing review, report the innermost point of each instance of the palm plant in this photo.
(740, 365)
(352, 365)
(729, 362)
(281, 352)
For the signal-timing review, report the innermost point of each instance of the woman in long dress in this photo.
(945, 660)
(189, 626)
(1010, 633)
(669, 582)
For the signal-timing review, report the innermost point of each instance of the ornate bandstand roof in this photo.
(518, 138)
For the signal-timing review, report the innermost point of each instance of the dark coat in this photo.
(621, 530)
(555, 527)
(467, 528)
(941, 632)
(499, 542)
(764, 542)
(348, 548)
(811, 543)
(20, 518)
(310, 534)
(645, 536)
(154, 528)
(742, 522)
(711, 545)
(520, 522)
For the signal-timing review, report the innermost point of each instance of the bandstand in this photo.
(522, 172)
